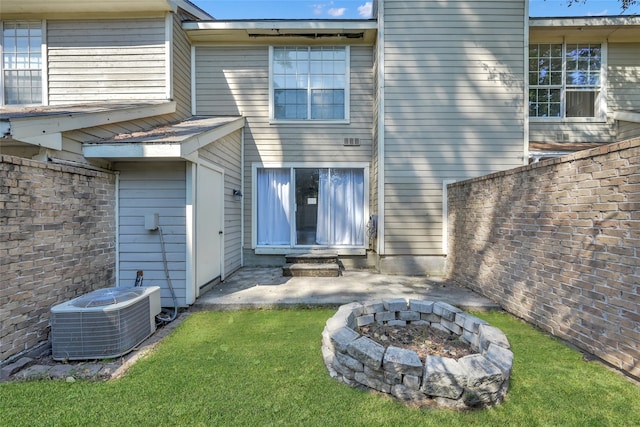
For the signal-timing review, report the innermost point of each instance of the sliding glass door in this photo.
(325, 207)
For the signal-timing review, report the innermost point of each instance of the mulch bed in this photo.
(424, 340)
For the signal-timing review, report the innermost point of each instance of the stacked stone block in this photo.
(478, 380)
(556, 243)
(58, 241)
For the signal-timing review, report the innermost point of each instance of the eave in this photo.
(172, 142)
(613, 29)
(39, 9)
(282, 31)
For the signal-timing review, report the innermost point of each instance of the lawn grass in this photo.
(257, 368)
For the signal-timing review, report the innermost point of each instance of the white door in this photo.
(209, 225)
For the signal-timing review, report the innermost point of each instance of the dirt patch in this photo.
(424, 340)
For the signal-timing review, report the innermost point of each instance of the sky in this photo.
(361, 9)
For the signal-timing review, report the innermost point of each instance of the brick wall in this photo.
(557, 244)
(58, 241)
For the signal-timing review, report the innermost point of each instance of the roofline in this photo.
(282, 24)
(46, 129)
(186, 149)
(193, 9)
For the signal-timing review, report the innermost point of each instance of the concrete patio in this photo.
(251, 288)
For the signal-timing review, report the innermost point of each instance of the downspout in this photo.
(381, 131)
(117, 223)
(242, 200)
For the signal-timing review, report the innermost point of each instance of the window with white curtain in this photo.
(22, 62)
(310, 207)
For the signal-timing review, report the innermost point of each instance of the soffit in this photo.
(66, 7)
(614, 29)
(282, 31)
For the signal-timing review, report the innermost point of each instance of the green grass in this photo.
(257, 368)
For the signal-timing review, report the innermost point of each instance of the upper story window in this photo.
(565, 80)
(21, 62)
(309, 83)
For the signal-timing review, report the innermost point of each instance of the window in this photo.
(565, 80)
(309, 83)
(310, 207)
(22, 62)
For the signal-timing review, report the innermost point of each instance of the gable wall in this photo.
(454, 107)
(234, 80)
(129, 54)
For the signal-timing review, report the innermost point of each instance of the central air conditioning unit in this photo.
(104, 324)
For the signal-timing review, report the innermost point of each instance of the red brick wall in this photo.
(57, 228)
(557, 244)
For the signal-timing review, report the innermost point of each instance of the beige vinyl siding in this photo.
(226, 153)
(235, 81)
(624, 88)
(181, 69)
(568, 131)
(105, 60)
(628, 130)
(147, 188)
(454, 108)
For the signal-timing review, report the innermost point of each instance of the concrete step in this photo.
(331, 269)
(312, 258)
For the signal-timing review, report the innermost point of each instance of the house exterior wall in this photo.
(628, 130)
(234, 80)
(623, 76)
(453, 108)
(623, 94)
(146, 188)
(227, 153)
(556, 243)
(130, 54)
(58, 242)
(181, 72)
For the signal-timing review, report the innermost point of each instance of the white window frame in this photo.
(292, 166)
(600, 113)
(43, 69)
(307, 121)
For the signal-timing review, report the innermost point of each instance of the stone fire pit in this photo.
(477, 380)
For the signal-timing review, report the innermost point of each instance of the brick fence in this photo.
(557, 244)
(58, 241)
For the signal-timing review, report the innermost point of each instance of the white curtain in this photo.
(273, 206)
(341, 207)
(324, 208)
